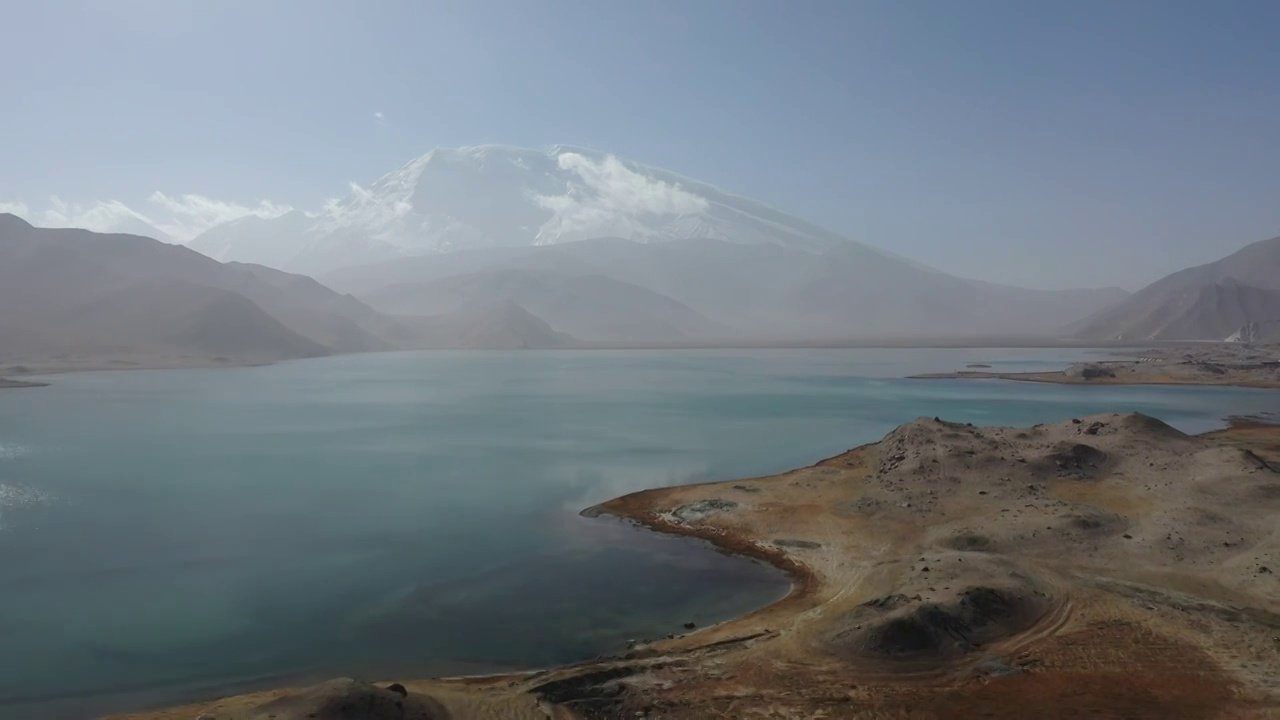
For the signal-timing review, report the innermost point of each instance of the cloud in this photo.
(189, 215)
(167, 217)
(100, 216)
(362, 207)
(379, 118)
(607, 197)
(16, 207)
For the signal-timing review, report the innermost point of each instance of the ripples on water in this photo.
(17, 496)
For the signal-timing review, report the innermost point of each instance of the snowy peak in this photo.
(498, 196)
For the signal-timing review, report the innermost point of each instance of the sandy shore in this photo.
(1106, 566)
(61, 366)
(1206, 364)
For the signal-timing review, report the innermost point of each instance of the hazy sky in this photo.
(1047, 144)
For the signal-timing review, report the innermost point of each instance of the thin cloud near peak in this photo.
(171, 218)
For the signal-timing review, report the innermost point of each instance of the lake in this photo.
(170, 535)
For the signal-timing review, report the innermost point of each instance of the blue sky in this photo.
(1050, 145)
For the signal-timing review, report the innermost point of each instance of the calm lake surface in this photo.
(168, 535)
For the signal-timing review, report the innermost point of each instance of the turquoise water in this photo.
(166, 535)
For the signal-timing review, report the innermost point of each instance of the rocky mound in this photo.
(1074, 459)
(346, 699)
(896, 628)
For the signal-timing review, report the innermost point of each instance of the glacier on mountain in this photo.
(499, 196)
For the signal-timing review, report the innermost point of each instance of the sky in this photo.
(1042, 144)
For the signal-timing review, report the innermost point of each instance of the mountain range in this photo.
(497, 196)
(504, 248)
(74, 298)
(610, 290)
(612, 251)
(1236, 298)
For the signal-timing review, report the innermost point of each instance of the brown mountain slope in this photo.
(591, 307)
(759, 291)
(173, 316)
(497, 326)
(1208, 302)
(76, 295)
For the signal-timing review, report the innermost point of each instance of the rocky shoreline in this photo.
(1209, 364)
(1108, 565)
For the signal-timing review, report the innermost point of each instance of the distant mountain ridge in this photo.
(593, 307)
(737, 292)
(610, 250)
(498, 196)
(73, 297)
(1215, 301)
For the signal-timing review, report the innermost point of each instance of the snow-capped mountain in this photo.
(497, 196)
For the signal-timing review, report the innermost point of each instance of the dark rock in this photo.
(970, 542)
(1078, 457)
(941, 631)
(1090, 372)
(347, 699)
(593, 694)
(888, 602)
(398, 688)
(802, 544)
(702, 508)
(690, 625)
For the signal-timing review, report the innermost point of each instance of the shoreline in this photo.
(1057, 378)
(7, 384)
(848, 531)
(36, 369)
(762, 506)
(55, 366)
(1220, 365)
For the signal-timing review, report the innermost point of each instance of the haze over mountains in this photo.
(78, 299)
(613, 251)
(500, 247)
(497, 196)
(713, 289)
